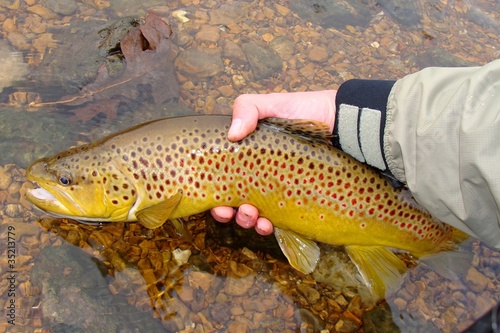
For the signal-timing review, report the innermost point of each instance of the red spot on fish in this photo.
(289, 192)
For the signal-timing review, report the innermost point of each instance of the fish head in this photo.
(82, 184)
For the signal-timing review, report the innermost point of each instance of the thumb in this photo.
(245, 118)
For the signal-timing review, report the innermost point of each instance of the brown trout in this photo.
(177, 167)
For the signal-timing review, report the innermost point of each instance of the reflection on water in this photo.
(217, 51)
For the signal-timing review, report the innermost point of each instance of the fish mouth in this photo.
(41, 194)
(44, 200)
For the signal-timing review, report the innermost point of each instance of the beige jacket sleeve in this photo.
(442, 139)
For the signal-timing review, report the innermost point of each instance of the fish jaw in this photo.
(44, 200)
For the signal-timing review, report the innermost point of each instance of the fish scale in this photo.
(182, 166)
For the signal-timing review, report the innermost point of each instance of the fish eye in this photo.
(65, 179)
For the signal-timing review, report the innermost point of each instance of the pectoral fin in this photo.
(380, 268)
(302, 253)
(154, 216)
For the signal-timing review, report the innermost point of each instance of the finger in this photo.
(264, 227)
(223, 214)
(245, 118)
(247, 216)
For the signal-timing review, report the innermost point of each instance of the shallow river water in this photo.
(70, 73)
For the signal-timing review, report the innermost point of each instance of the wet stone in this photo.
(317, 54)
(406, 12)
(63, 7)
(239, 287)
(183, 38)
(220, 312)
(75, 62)
(81, 295)
(346, 325)
(208, 33)
(440, 57)
(48, 134)
(228, 14)
(315, 323)
(309, 293)
(283, 46)
(263, 61)
(477, 281)
(334, 14)
(379, 320)
(233, 52)
(200, 63)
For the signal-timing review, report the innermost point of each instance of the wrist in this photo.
(361, 107)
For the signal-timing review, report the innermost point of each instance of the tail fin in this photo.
(452, 265)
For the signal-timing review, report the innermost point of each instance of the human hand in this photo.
(247, 110)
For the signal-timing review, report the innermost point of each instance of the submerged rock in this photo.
(405, 12)
(76, 297)
(200, 63)
(82, 49)
(263, 61)
(440, 57)
(26, 136)
(332, 14)
(337, 270)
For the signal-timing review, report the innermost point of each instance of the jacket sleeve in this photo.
(439, 133)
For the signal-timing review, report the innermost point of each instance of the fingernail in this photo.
(235, 128)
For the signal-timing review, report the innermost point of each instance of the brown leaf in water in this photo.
(149, 66)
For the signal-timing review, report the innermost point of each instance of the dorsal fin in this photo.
(309, 130)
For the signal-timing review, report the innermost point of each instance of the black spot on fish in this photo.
(144, 162)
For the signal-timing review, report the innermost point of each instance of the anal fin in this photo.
(302, 253)
(381, 269)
